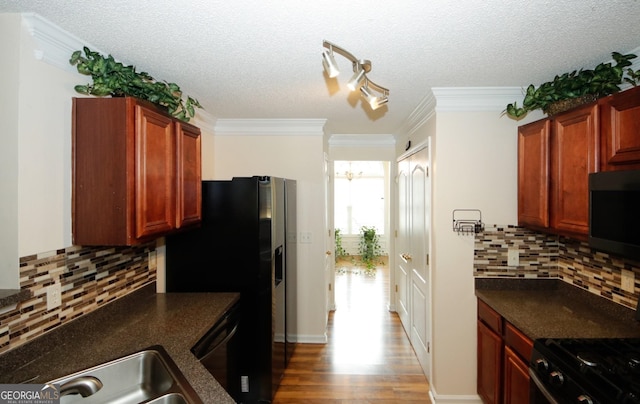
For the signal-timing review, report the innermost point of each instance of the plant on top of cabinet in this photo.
(115, 79)
(576, 88)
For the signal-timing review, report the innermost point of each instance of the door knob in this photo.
(328, 252)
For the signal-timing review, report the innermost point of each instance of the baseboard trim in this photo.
(310, 339)
(453, 399)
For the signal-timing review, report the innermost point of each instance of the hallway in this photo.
(368, 358)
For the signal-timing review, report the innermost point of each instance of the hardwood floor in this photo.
(368, 358)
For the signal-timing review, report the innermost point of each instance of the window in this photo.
(359, 191)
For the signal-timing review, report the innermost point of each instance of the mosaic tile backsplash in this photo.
(548, 256)
(90, 278)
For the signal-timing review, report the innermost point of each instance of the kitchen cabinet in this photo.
(620, 130)
(489, 364)
(533, 174)
(503, 355)
(555, 157)
(136, 172)
(574, 154)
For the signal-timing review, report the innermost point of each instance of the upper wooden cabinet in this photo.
(555, 157)
(136, 172)
(620, 130)
(533, 174)
(574, 155)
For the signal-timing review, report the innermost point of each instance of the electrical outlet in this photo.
(513, 257)
(305, 237)
(628, 281)
(152, 259)
(54, 296)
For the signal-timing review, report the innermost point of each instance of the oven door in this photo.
(538, 394)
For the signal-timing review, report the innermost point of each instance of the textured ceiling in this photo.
(261, 59)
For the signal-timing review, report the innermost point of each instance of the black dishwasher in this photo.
(218, 351)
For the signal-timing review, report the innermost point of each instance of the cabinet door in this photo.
(574, 154)
(155, 177)
(620, 130)
(489, 364)
(188, 181)
(533, 174)
(516, 379)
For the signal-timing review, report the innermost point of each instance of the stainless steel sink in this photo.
(146, 376)
(172, 398)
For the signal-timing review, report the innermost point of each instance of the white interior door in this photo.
(329, 237)
(419, 277)
(402, 246)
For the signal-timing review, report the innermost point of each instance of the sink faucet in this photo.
(83, 385)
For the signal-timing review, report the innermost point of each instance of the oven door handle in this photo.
(541, 388)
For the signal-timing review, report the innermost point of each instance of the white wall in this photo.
(44, 197)
(10, 50)
(295, 157)
(475, 168)
(36, 190)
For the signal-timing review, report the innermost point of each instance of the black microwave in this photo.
(614, 212)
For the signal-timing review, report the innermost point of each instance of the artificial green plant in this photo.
(603, 80)
(117, 80)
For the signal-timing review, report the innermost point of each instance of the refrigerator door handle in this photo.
(279, 264)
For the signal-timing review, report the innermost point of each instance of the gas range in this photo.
(589, 371)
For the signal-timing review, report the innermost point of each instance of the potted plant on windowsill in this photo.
(117, 80)
(578, 87)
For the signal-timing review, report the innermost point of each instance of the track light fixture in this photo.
(375, 102)
(329, 63)
(359, 79)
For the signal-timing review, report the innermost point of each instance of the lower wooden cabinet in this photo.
(489, 364)
(503, 357)
(516, 378)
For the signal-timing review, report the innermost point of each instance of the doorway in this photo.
(361, 211)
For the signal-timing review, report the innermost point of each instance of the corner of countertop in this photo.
(11, 297)
(498, 292)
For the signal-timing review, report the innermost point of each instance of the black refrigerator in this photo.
(246, 244)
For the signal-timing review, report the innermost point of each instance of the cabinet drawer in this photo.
(490, 317)
(519, 342)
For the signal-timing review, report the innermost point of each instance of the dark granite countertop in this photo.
(132, 323)
(551, 308)
(9, 297)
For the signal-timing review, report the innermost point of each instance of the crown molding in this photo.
(53, 44)
(270, 127)
(353, 140)
(475, 98)
(204, 120)
(421, 114)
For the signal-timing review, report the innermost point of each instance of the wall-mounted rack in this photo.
(467, 221)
